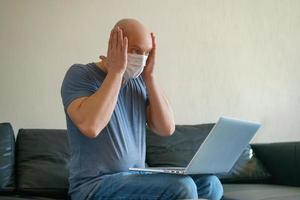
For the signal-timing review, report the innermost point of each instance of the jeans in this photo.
(147, 186)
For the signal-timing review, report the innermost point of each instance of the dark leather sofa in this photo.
(36, 167)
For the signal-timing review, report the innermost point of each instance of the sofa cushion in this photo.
(178, 149)
(7, 158)
(260, 192)
(247, 169)
(42, 162)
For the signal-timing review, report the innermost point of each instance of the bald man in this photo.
(107, 105)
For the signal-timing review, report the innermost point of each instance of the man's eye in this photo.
(135, 51)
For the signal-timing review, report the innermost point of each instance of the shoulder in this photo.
(78, 76)
(88, 72)
(77, 70)
(78, 82)
(82, 73)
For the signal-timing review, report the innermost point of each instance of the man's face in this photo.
(140, 44)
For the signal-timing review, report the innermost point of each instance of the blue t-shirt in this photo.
(120, 145)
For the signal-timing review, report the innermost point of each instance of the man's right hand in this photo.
(116, 60)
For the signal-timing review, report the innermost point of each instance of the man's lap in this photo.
(148, 185)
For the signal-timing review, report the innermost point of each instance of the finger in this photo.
(120, 40)
(115, 35)
(117, 40)
(153, 50)
(153, 41)
(110, 39)
(125, 45)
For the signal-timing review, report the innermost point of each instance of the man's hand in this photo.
(116, 59)
(149, 68)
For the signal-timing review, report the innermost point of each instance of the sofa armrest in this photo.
(282, 160)
(7, 159)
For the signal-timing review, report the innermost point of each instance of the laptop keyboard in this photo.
(173, 168)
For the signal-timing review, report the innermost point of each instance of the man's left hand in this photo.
(148, 71)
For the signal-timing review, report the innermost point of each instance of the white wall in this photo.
(237, 57)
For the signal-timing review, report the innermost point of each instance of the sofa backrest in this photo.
(42, 157)
(282, 160)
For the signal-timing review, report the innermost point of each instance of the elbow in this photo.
(91, 133)
(168, 131)
(90, 130)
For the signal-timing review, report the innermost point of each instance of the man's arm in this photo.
(159, 112)
(91, 114)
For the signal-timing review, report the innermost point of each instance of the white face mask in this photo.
(135, 65)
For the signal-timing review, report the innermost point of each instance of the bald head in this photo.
(139, 37)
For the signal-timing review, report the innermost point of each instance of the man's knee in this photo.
(215, 188)
(185, 188)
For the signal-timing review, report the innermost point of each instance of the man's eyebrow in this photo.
(136, 47)
(148, 50)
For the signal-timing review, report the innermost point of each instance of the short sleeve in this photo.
(77, 83)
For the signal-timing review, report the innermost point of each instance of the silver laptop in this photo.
(219, 151)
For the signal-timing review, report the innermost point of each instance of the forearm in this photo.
(160, 116)
(96, 110)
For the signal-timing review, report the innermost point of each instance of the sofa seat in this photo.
(18, 197)
(260, 191)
